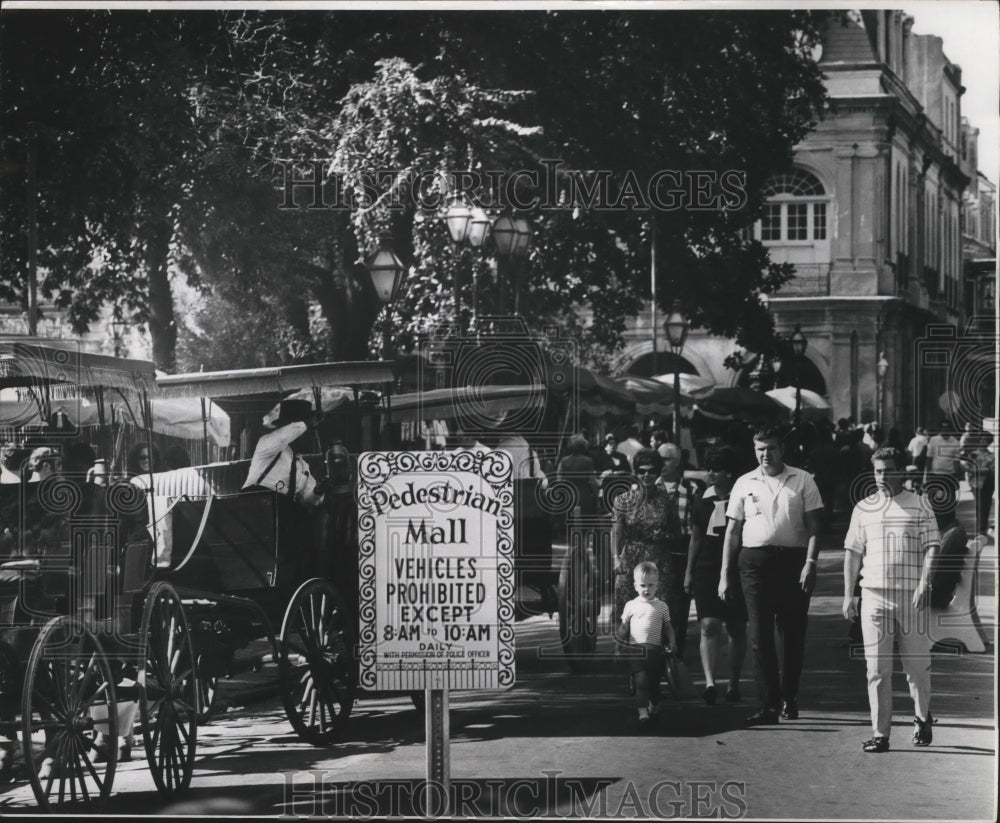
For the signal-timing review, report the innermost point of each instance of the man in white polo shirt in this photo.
(776, 512)
(895, 532)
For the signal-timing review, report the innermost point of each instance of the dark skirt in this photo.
(705, 588)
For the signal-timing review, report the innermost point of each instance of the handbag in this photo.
(678, 677)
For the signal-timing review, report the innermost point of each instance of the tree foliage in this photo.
(165, 142)
(104, 98)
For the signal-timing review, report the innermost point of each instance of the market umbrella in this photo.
(813, 406)
(597, 395)
(692, 386)
(607, 393)
(651, 396)
(481, 405)
(736, 403)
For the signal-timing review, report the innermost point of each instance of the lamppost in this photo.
(883, 368)
(387, 272)
(467, 224)
(118, 328)
(762, 374)
(512, 236)
(677, 332)
(798, 343)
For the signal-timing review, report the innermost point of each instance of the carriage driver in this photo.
(276, 466)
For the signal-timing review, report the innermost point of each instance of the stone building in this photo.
(979, 216)
(870, 214)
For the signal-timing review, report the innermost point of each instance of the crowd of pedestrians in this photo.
(742, 541)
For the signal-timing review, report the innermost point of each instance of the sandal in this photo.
(876, 744)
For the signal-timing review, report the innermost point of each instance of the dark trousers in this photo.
(679, 602)
(775, 600)
(983, 497)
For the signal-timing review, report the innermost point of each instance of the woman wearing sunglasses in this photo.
(643, 518)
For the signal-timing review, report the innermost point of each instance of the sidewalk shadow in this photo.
(316, 794)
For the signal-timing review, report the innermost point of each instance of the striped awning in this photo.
(58, 364)
(237, 382)
(478, 403)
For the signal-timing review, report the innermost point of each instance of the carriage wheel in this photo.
(11, 679)
(318, 679)
(578, 608)
(168, 691)
(208, 690)
(68, 699)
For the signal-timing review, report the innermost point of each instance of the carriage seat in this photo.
(193, 483)
(197, 481)
(209, 479)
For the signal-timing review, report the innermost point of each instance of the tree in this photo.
(634, 93)
(103, 99)
(236, 98)
(630, 95)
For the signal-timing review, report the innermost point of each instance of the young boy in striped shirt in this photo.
(645, 626)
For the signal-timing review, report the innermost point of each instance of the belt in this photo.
(777, 548)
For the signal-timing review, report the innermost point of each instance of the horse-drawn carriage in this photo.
(87, 635)
(147, 589)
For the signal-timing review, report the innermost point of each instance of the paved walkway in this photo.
(563, 744)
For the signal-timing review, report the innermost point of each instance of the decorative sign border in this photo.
(495, 469)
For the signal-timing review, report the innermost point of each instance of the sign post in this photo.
(436, 566)
(438, 731)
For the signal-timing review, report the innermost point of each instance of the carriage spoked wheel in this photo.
(208, 689)
(168, 691)
(579, 607)
(11, 679)
(318, 680)
(68, 699)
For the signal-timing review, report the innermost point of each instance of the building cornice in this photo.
(912, 121)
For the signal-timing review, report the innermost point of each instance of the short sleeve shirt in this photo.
(773, 509)
(647, 618)
(942, 455)
(893, 534)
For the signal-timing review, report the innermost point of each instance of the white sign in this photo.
(436, 570)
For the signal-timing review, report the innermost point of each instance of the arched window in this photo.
(795, 211)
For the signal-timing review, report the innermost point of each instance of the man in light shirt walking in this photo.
(895, 532)
(776, 512)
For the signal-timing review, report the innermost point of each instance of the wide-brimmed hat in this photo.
(292, 411)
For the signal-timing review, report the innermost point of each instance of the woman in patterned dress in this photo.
(642, 520)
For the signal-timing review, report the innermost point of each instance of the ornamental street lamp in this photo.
(387, 272)
(512, 236)
(457, 217)
(504, 237)
(798, 343)
(762, 374)
(883, 368)
(522, 243)
(118, 329)
(676, 328)
(467, 225)
(479, 228)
